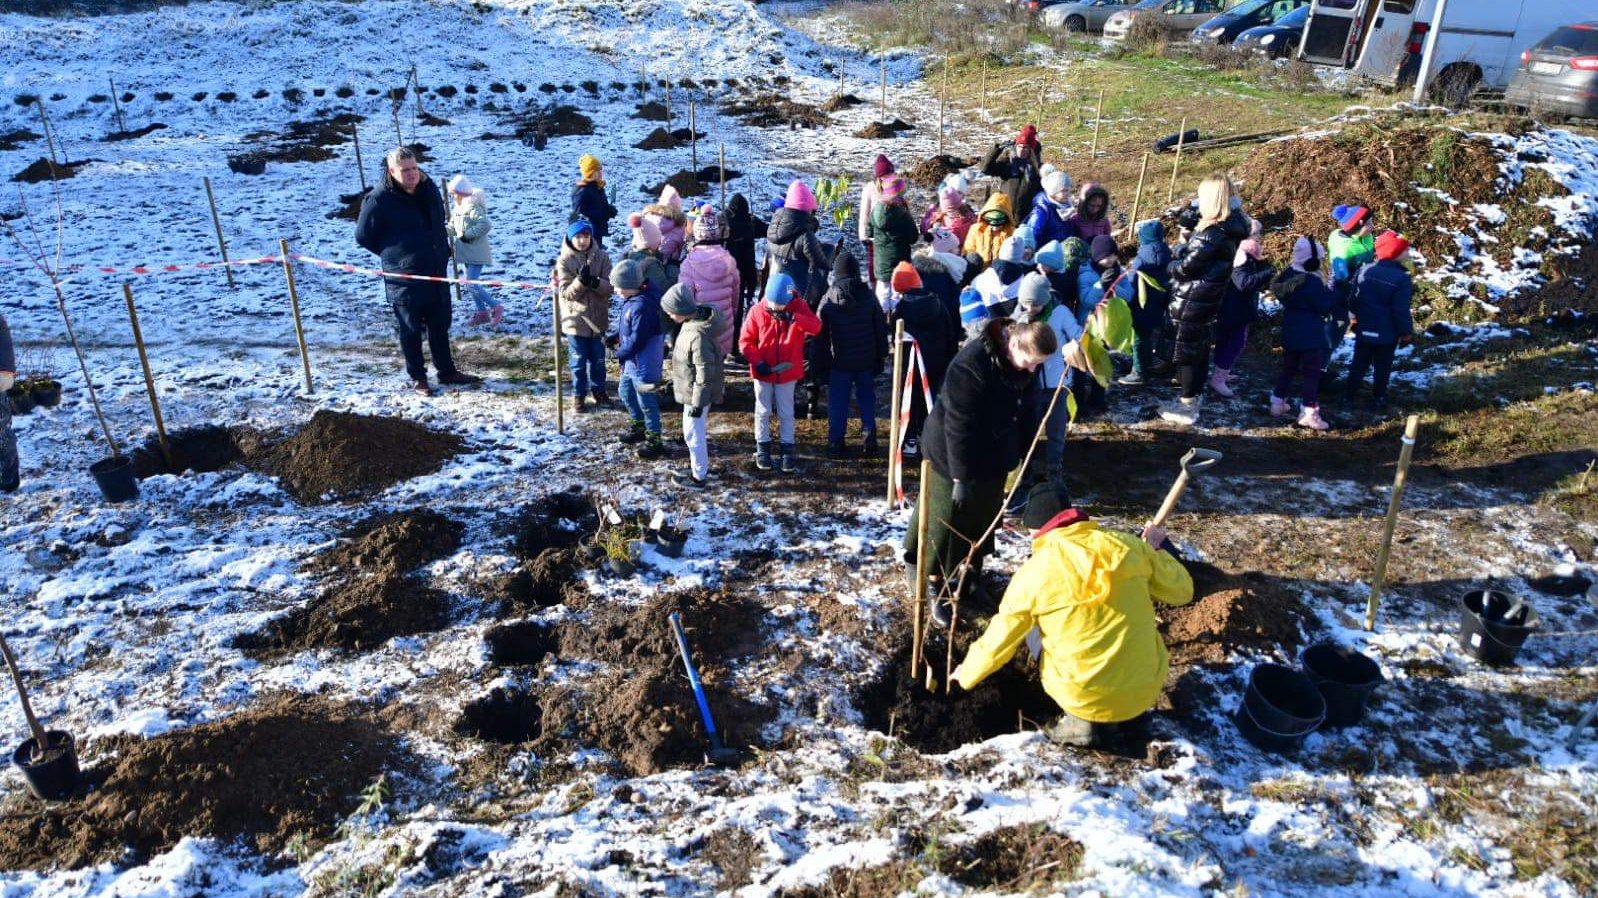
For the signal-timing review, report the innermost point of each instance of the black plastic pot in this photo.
(620, 567)
(55, 778)
(46, 395)
(116, 478)
(1346, 679)
(669, 542)
(21, 399)
(1280, 708)
(1492, 626)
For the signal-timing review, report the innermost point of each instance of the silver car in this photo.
(1180, 17)
(1083, 15)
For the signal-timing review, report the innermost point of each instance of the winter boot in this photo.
(602, 399)
(1280, 408)
(1311, 417)
(634, 435)
(789, 459)
(580, 405)
(478, 319)
(496, 315)
(652, 447)
(869, 447)
(1184, 411)
(1072, 731)
(837, 451)
(763, 457)
(1135, 379)
(1218, 383)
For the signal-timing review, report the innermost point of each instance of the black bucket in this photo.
(1280, 708)
(55, 778)
(1492, 626)
(1346, 679)
(116, 478)
(670, 542)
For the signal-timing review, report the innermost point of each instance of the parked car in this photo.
(1179, 17)
(1084, 15)
(1224, 28)
(1278, 40)
(1559, 73)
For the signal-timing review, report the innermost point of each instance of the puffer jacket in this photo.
(1381, 305)
(697, 374)
(1306, 304)
(589, 202)
(743, 229)
(1091, 592)
(712, 273)
(641, 346)
(469, 225)
(870, 198)
(928, 321)
(1088, 228)
(985, 239)
(673, 232)
(854, 335)
(893, 235)
(1147, 285)
(584, 311)
(985, 414)
(1349, 255)
(1049, 220)
(1199, 277)
(942, 274)
(793, 249)
(409, 234)
(767, 338)
(1241, 305)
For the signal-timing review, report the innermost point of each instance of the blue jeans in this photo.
(641, 405)
(587, 361)
(479, 294)
(862, 384)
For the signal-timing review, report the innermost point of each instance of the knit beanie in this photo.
(460, 185)
(1103, 247)
(1390, 245)
(1044, 504)
(1028, 136)
(777, 203)
(679, 300)
(590, 166)
(781, 290)
(882, 167)
(708, 225)
(580, 226)
(627, 275)
(1012, 249)
(646, 234)
(799, 197)
(944, 241)
(905, 278)
(1056, 183)
(972, 308)
(1150, 231)
(1034, 293)
(1076, 252)
(893, 187)
(958, 183)
(1051, 256)
(1349, 218)
(671, 199)
(950, 200)
(1304, 250)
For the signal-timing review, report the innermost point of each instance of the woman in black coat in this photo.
(1199, 278)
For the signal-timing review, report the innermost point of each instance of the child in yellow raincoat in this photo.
(995, 224)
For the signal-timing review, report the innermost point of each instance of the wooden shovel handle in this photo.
(1171, 498)
(41, 743)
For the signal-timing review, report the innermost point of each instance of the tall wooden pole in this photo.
(1181, 138)
(221, 243)
(294, 306)
(943, 105)
(1411, 427)
(360, 164)
(1098, 118)
(721, 166)
(884, 84)
(693, 138)
(83, 365)
(116, 104)
(1137, 198)
(416, 88)
(923, 525)
(149, 379)
(984, 88)
(560, 399)
(894, 435)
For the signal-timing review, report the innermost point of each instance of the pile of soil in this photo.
(545, 535)
(209, 447)
(721, 626)
(841, 102)
(885, 130)
(771, 110)
(115, 136)
(693, 183)
(266, 777)
(652, 112)
(538, 123)
(935, 722)
(431, 120)
(659, 139)
(43, 170)
(13, 140)
(308, 141)
(931, 172)
(392, 543)
(349, 206)
(340, 454)
(1233, 612)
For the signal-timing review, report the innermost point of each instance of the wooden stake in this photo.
(841, 70)
(49, 134)
(83, 365)
(416, 90)
(560, 399)
(923, 524)
(943, 105)
(294, 306)
(1039, 116)
(393, 111)
(1098, 119)
(721, 166)
(1411, 427)
(984, 88)
(1170, 195)
(360, 164)
(1137, 198)
(116, 104)
(693, 138)
(668, 107)
(884, 84)
(893, 411)
(149, 379)
(221, 244)
(41, 741)
(454, 265)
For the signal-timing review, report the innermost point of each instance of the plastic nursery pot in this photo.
(620, 567)
(21, 399)
(592, 552)
(1492, 626)
(1346, 679)
(116, 478)
(46, 393)
(669, 542)
(1280, 708)
(53, 777)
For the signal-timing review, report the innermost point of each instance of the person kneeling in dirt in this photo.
(697, 374)
(1091, 594)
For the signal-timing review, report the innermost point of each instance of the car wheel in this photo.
(1076, 24)
(1287, 50)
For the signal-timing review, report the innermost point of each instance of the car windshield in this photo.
(1571, 39)
(1295, 19)
(1248, 7)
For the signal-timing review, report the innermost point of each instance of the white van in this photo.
(1478, 46)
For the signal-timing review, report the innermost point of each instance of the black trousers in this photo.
(1371, 355)
(428, 317)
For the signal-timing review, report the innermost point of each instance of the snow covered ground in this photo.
(125, 615)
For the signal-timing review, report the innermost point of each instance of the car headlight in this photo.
(1267, 40)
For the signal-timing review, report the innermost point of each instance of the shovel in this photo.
(1195, 462)
(719, 754)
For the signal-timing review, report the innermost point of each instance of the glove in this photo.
(962, 493)
(763, 370)
(696, 411)
(784, 366)
(587, 278)
(612, 340)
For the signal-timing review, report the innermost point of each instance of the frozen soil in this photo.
(339, 455)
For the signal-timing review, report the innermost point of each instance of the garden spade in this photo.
(719, 754)
(1195, 462)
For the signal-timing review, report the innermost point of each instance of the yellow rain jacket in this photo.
(1092, 594)
(985, 239)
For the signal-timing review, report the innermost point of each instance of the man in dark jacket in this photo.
(10, 475)
(1018, 166)
(928, 322)
(403, 221)
(852, 345)
(1382, 318)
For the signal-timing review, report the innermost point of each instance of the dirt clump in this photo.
(885, 130)
(652, 112)
(209, 447)
(548, 580)
(841, 102)
(931, 172)
(720, 625)
(307, 141)
(356, 615)
(659, 139)
(342, 454)
(265, 777)
(1232, 612)
(535, 124)
(545, 535)
(936, 722)
(349, 206)
(135, 134)
(393, 543)
(43, 170)
(735, 854)
(13, 140)
(692, 183)
(770, 110)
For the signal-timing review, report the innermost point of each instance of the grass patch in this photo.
(1576, 495)
(1557, 423)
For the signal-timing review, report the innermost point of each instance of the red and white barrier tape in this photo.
(389, 275)
(917, 364)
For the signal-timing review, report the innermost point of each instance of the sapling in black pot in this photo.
(49, 758)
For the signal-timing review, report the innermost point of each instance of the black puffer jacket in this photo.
(929, 323)
(985, 414)
(743, 229)
(408, 232)
(854, 333)
(1199, 277)
(791, 238)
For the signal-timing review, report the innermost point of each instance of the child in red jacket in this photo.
(773, 342)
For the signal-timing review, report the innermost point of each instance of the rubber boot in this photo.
(763, 457)
(869, 447)
(1218, 383)
(789, 459)
(1280, 408)
(652, 447)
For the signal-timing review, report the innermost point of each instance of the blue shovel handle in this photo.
(693, 680)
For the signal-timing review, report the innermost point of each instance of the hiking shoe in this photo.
(687, 480)
(478, 319)
(422, 387)
(1280, 408)
(1311, 417)
(1132, 380)
(788, 461)
(459, 379)
(1071, 731)
(652, 448)
(763, 457)
(635, 434)
(602, 399)
(580, 405)
(496, 315)
(1218, 383)
(911, 449)
(837, 451)
(1183, 412)
(869, 447)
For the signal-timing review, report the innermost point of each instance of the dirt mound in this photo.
(1229, 612)
(536, 124)
(209, 447)
(771, 110)
(266, 777)
(431, 120)
(884, 130)
(899, 704)
(544, 535)
(350, 206)
(357, 615)
(693, 183)
(931, 172)
(394, 543)
(659, 139)
(115, 136)
(549, 579)
(43, 170)
(841, 102)
(340, 454)
(720, 626)
(13, 140)
(652, 112)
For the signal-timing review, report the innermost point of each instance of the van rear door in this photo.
(1331, 36)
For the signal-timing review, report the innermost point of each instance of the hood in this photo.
(1238, 225)
(844, 268)
(927, 259)
(738, 207)
(1090, 190)
(713, 260)
(1085, 557)
(1151, 231)
(999, 201)
(1286, 281)
(788, 225)
(1009, 272)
